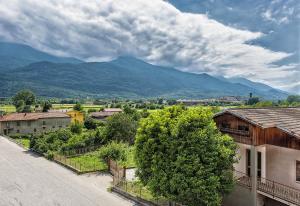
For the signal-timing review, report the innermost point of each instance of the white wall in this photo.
(281, 165)
(241, 165)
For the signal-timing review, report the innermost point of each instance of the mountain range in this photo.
(23, 67)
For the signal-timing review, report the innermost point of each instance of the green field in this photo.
(86, 107)
(7, 108)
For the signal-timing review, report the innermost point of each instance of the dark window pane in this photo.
(298, 171)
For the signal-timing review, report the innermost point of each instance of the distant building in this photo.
(116, 110)
(268, 169)
(30, 123)
(225, 100)
(105, 113)
(76, 116)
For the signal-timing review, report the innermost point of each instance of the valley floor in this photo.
(30, 180)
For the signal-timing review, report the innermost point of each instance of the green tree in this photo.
(181, 155)
(252, 100)
(46, 106)
(78, 107)
(114, 150)
(23, 100)
(293, 98)
(76, 128)
(121, 127)
(91, 123)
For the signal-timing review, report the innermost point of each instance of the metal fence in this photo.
(79, 151)
(270, 187)
(77, 166)
(140, 193)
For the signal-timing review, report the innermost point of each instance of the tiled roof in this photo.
(32, 116)
(102, 114)
(287, 119)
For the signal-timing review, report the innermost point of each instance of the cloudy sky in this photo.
(257, 39)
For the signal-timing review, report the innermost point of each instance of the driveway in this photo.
(29, 180)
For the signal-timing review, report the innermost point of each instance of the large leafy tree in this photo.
(121, 127)
(182, 156)
(23, 100)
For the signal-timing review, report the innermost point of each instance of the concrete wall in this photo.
(242, 155)
(281, 165)
(40, 125)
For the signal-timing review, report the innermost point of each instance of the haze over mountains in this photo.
(24, 67)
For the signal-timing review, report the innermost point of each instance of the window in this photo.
(34, 129)
(18, 131)
(225, 125)
(53, 127)
(243, 128)
(248, 161)
(18, 123)
(44, 122)
(28, 124)
(298, 171)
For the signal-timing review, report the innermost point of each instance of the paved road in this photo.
(30, 180)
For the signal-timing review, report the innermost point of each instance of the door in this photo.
(248, 163)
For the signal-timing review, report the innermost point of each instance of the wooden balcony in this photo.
(238, 135)
(235, 131)
(271, 188)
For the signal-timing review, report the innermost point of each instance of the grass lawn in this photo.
(88, 162)
(91, 161)
(8, 108)
(25, 142)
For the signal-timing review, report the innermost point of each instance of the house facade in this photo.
(31, 123)
(268, 167)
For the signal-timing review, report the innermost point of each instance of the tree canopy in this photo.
(23, 100)
(121, 127)
(182, 156)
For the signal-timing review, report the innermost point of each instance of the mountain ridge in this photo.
(125, 77)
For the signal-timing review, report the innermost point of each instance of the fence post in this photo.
(140, 191)
(273, 188)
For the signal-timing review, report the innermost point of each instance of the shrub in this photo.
(76, 128)
(91, 123)
(114, 150)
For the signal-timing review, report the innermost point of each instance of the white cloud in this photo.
(152, 30)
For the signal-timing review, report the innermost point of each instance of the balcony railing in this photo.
(271, 188)
(235, 131)
(238, 135)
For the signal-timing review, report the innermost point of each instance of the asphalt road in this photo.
(30, 180)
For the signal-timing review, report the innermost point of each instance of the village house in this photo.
(102, 115)
(30, 123)
(268, 169)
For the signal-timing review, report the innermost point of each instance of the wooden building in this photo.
(269, 153)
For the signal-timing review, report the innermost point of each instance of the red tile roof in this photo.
(32, 116)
